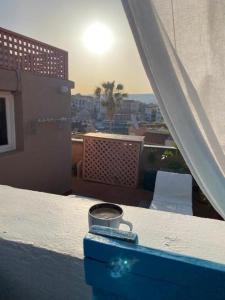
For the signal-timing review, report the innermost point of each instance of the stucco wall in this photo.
(42, 160)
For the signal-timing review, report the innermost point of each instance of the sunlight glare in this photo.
(98, 38)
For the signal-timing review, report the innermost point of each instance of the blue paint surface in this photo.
(127, 236)
(117, 269)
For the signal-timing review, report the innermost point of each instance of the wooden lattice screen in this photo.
(18, 52)
(112, 159)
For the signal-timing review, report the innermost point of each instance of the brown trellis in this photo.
(112, 159)
(18, 52)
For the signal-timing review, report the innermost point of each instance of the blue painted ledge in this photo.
(126, 236)
(120, 269)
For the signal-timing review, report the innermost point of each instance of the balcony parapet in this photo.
(42, 241)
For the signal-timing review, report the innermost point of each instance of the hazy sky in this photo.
(64, 23)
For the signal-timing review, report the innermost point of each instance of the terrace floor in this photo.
(134, 197)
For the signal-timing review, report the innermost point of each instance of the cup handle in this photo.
(129, 224)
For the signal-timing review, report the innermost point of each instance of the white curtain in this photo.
(182, 47)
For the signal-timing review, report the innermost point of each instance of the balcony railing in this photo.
(18, 52)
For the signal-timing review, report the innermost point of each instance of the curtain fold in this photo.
(182, 47)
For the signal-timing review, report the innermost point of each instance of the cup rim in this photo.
(106, 204)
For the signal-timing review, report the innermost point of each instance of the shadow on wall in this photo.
(28, 272)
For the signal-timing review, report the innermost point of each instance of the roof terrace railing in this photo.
(18, 52)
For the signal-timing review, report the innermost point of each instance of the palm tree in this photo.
(112, 96)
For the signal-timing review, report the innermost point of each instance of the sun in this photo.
(98, 38)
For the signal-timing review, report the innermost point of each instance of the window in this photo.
(7, 122)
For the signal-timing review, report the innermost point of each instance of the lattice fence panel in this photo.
(111, 161)
(21, 53)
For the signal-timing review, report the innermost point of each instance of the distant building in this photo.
(85, 112)
(80, 102)
(129, 107)
(153, 113)
(121, 118)
(89, 111)
(156, 135)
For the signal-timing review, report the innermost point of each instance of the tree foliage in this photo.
(111, 95)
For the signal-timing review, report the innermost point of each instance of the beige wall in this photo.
(42, 160)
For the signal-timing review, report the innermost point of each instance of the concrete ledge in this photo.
(42, 235)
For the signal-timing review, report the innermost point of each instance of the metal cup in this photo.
(113, 222)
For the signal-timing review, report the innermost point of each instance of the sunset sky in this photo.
(76, 26)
